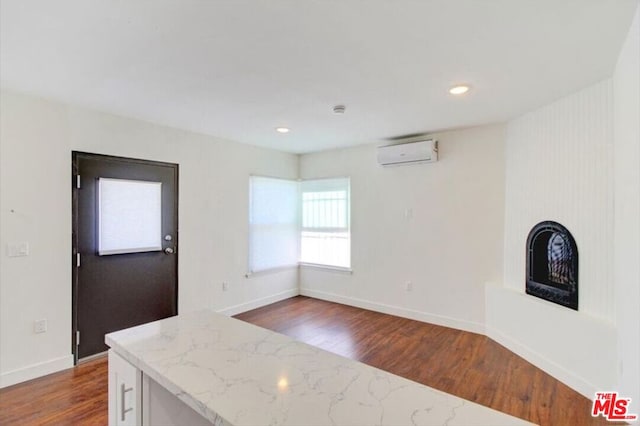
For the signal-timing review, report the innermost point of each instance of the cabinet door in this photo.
(125, 389)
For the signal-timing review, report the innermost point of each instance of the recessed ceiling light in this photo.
(459, 89)
(282, 129)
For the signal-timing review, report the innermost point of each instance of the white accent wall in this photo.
(438, 226)
(559, 166)
(626, 85)
(577, 161)
(36, 140)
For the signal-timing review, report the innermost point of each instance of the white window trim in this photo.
(251, 274)
(340, 269)
(313, 229)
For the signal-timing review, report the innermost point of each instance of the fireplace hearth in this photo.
(552, 264)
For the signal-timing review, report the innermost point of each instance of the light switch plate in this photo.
(40, 326)
(18, 249)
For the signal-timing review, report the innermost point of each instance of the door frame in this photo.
(76, 156)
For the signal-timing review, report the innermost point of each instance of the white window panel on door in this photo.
(129, 216)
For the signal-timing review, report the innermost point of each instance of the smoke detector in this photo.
(339, 109)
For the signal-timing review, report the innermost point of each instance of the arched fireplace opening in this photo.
(552, 264)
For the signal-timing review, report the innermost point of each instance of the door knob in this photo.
(168, 250)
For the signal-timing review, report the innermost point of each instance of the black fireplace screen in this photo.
(552, 264)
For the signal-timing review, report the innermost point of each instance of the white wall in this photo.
(576, 161)
(559, 166)
(36, 140)
(626, 83)
(449, 247)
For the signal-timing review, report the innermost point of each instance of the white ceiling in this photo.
(238, 69)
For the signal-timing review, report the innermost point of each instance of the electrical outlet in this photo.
(40, 326)
(225, 286)
(408, 286)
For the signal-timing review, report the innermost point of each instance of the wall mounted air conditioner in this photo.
(425, 151)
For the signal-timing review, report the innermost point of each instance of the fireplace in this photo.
(552, 264)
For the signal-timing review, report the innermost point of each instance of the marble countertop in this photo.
(235, 373)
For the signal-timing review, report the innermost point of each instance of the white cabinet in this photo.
(125, 391)
(136, 399)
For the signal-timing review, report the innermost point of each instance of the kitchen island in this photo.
(207, 368)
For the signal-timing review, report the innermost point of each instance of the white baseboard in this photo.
(35, 370)
(567, 377)
(444, 321)
(570, 379)
(577, 349)
(258, 303)
(562, 374)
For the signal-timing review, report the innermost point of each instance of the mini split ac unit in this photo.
(425, 151)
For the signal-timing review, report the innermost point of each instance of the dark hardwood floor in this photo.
(77, 396)
(461, 363)
(469, 365)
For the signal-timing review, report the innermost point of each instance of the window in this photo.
(325, 234)
(273, 223)
(129, 216)
(292, 222)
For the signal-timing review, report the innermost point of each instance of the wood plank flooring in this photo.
(77, 396)
(461, 363)
(465, 364)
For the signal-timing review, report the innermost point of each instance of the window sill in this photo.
(339, 269)
(269, 271)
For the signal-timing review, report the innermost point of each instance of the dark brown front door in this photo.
(122, 279)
